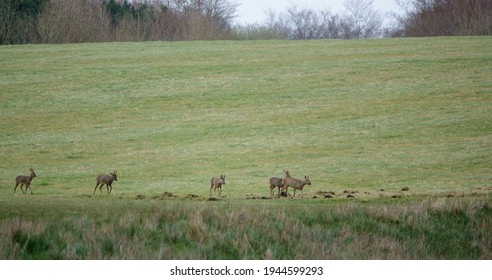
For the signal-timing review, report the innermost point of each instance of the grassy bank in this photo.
(363, 117)
(428, 229)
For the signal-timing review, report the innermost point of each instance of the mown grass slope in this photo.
(361, 115)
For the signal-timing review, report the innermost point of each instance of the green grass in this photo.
(428, 229)
(361, 115)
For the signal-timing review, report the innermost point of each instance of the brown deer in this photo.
(296, 184)
(24, 180)
(276, 182)
(216, 183)
(105, 180)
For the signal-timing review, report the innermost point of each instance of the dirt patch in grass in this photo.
(164, 195)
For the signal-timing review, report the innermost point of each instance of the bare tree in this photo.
(444, 18)
(305, 23)
(297, 23)
(18, 21)
(73, 21)
(204, 19)
(278, 24)
(361, 21)
(330, 25)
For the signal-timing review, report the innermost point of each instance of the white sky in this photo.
(253, 11)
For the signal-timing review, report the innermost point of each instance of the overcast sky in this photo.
(253, 11)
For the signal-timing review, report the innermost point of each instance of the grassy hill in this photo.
(368, 116)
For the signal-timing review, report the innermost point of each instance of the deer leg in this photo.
(220, 190)
(288, 194)
(95, 189)
(15, 187)
(29, 188)
(110, 188)
(23, 191)
(294, 194)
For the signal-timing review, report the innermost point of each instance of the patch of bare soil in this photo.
(325, 194)
(350, 192)
(251, 196)
(164, 195)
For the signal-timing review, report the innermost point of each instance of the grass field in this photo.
(370, 117)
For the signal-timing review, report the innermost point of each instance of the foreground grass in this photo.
(429, 229)
(371, 117)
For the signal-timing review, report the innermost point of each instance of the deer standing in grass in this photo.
(216, 183)
(24, 180)
(105, 180)
(276, 182)
(296, 184)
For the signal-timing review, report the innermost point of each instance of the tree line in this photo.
(75, 21)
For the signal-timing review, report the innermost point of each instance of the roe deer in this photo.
(216, 183)
(276, 182)
(105, 180)
(24, 180)
(296, 184)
